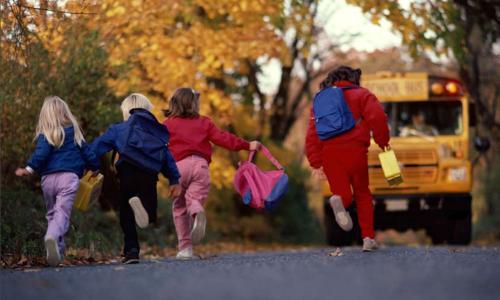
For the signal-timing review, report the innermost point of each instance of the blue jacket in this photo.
(70, 157)
(116, 138)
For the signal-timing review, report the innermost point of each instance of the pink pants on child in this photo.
(59, 192)
(195, 183)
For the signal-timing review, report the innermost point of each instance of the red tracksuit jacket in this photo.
(194, 137)
(363, 104)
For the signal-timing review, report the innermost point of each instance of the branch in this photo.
(56, 10)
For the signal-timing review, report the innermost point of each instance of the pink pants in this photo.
(195, 183)
(59, 192)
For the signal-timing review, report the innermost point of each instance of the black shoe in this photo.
(131, 257)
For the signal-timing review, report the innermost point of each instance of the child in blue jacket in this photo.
(141, 141)
(60, 157)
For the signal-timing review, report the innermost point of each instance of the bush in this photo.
(488, 225)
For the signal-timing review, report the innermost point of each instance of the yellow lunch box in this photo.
(390, 166)
(88, 191)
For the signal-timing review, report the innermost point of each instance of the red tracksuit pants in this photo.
(346, 168)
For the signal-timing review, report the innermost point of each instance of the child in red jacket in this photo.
(343, 158)
(191, 136)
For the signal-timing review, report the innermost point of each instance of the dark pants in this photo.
(135, 182)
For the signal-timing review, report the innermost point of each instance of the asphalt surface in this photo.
(390, 273)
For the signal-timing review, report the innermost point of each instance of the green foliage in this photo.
(293, 220)
(77, 74)
(488, 225)
(23, 222)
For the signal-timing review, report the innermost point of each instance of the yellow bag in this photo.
(390, 166)
(88, 191)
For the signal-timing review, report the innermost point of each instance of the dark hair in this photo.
(184, 103)
(341, 73)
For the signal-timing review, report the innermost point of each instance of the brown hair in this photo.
(341, 73)
(184, 103)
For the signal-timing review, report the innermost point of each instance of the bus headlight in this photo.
(457, 174)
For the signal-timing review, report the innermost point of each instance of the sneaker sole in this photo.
(184, 257)
(342, 217)
(131, 262)
(53, 256)
(140, 214)
(198, 232)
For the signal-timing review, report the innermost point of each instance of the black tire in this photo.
(336, 236)
(454, 225)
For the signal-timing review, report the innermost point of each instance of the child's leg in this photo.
(65, 186)
(363, 196)
(197, 191)
(338, 174)
(127, 221)
(182, 221)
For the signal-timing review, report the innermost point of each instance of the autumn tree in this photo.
(462, 29)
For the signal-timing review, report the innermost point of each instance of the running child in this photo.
(141, 142)
(191, 141)
(60, 157)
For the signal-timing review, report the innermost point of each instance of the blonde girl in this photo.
(60, 157)
(141, 142)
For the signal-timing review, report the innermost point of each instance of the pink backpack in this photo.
(260, 189)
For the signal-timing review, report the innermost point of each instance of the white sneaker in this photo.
(199, 225)
(185, 254)
(369, 245)
(140, 214)
(53, 255)
(342, 217)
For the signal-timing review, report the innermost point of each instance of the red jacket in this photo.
(363, 104)
(193, 137)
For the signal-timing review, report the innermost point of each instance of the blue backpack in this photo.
(332, 116)
(146, 142)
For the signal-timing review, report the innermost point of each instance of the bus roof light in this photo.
(451, 87)
(437, 88)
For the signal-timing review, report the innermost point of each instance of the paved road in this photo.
(391, 273)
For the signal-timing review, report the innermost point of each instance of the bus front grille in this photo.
(411, 175)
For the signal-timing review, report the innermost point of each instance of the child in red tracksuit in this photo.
(191, 138)
(343, 158)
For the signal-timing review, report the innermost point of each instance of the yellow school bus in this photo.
(429, 122)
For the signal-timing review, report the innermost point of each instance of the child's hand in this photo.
(175, 190)
(254, 145)
(22, 172)
(94, 173)
(319, 174)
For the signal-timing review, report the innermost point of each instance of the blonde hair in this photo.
(135, 100)
(54, 116)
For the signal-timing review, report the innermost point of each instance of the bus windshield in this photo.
(429, 118)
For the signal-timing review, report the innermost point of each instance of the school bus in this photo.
(429, 121)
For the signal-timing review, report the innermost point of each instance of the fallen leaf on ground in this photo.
(31, 270)
(337, 252)
(207, 256)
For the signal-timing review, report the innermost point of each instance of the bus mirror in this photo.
(481, 144)
(472, 115)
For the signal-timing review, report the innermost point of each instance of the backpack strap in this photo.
(351, 87)
(268, 155)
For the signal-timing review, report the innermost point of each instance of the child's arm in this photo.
(170, 170)
(227, 140)
(91, 160)
(104, 143)
(38, 158)
(373, 113)
(313, 145)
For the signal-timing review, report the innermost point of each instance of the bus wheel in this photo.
(336, 236)
(461, 232)
(460, 219)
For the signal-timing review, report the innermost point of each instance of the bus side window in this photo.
(472, 114)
